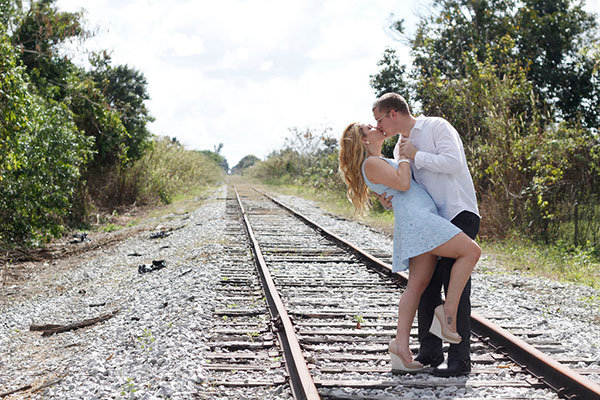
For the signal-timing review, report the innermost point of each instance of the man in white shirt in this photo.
(437, 160)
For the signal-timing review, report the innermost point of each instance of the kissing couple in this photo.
(429, 187)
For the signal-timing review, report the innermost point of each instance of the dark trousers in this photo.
(431, 298)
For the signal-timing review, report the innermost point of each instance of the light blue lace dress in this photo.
(417, 226)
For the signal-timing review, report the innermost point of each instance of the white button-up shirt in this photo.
(441, 167)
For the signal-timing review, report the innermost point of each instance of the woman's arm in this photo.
(380, 171)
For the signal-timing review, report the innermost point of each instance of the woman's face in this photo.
(371, 133)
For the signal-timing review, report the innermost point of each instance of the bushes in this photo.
(41, 152)
(167, 170)
(280, 167)
(528, 171)
(309, 159)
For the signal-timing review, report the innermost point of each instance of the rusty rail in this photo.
(301, 381)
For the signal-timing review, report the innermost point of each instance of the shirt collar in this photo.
(418, 124)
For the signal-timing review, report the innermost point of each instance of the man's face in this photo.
(383, 120)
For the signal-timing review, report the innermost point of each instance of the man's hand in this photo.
(386, 201)
(407, 149)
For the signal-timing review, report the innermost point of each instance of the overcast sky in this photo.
(241, 72)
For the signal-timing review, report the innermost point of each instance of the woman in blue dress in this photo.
(420, 235)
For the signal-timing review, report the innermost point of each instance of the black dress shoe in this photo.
(453, 368)
(431, 360)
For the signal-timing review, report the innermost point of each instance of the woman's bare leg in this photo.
(421, 268)
(467, 253)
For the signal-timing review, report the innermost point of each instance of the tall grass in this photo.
(555, 261)
(167, 170)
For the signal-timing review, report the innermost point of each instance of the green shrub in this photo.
(528, 171)
(308, 158)
(168, 170)
(41, 152)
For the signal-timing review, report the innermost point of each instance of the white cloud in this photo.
(242, 72)
(182, 45)
(266, 66)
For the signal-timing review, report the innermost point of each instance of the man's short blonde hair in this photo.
(391, 101)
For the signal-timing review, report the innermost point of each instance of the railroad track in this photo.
(309, 315)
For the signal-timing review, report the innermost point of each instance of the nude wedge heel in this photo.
(440, 329)
(398, 363)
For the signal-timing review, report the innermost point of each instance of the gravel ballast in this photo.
(153, 347)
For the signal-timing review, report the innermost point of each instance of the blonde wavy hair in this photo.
(352, 155)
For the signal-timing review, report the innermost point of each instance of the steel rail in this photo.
(301, 381)
(566, 382)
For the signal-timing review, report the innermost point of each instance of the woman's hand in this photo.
(385, 200)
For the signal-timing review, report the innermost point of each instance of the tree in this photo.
(41, 154)
(105, 105)
(96, 119)
(520, 82)
(219, 159)
(552, 37)
(456, 27)
(125, 91)
(245, 162)
(107, 102)
(550, 40)
(9, 10)
(39, 33)
(391, 76)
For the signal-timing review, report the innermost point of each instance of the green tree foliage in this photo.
(73, 140)
(244, 163)
(456, 27)
(217, 157)
(550, 38)
(41, 152)
(520, 83)
(39, 33)
(125, 91)
(107, 102)
(309, 158)
(391, 76)
(8, 10)
(96, 119)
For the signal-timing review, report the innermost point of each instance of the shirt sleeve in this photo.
(447, 158)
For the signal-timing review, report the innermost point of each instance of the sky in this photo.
(243, 72)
